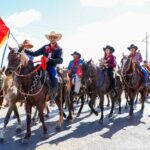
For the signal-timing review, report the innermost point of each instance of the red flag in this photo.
(4, 31)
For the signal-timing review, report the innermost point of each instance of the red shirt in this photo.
(111, 60)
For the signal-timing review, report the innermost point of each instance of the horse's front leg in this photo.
(40, 108)
(28, 109)
(6, 120)
(112, 107)
(101, 107)
(18, 128)
(82, 104)
(143, 98)
(60, 108)
(92, 103)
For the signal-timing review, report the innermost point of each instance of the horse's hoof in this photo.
(1, 140)
(33, 119)
(96, 113)
(25, 141)
(78, 115)
(100, 121)
(69, 118)
(119, 112)
(47, 116)
(58, 128)
(130, 117)
(45, 136)
(18, 130)
(110, 115)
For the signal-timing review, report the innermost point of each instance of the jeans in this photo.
(53, 77)
(144, 71)
(111, 75)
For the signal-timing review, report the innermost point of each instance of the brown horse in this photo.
(133, 82)
(98, 83)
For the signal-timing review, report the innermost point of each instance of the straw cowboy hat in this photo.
(26, 43)
(109, 47)
(53, 34)
(132, 46)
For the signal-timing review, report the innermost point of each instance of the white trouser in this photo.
(76, 81)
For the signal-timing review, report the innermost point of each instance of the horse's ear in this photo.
(10, 48)
(89, 62)
(123, 55)
(3, 69)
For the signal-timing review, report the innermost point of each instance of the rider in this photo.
(146, 66)
(137, 58)
(53, 54)
(73, 70)
(110, 64)
(26, 45)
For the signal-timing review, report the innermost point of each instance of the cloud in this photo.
(111, 3)
(22, 19)
(119, 32)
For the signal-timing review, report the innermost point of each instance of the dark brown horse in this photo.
(98, 83)
(30, 86)
(133, 82)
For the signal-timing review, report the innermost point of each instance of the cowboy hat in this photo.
(109, 47)
(132, 46)
(26, 43)
(53, 34)
(76, 53)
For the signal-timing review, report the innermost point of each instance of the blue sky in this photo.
(86, 25)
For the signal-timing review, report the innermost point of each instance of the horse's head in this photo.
(88, 70)
(125, 65)
(2, 77)
(16, 59)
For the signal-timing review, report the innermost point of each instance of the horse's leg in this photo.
(60, 107)
(82, 104)
(70, 107)
(136, 98)
(18, 128)
(132, 95)
(127, 101)
(28, 109)
(6, 120)
(112, 107)
(35, 115)
(40, 108)
(91, 105)
(108, 104)
(119, 100)
(101, 107)
(143, 98)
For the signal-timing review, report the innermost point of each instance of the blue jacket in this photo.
(70, 66)
(56, 54)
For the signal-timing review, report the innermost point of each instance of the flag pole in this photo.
(14, 38)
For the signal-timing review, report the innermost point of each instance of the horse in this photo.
(98, 83)
(30, 85)
(2, 79)
(133, 81)
(11, 97)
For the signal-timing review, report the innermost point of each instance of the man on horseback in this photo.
(53, 54)
(74, 70)
(136, 57)
(109, 64)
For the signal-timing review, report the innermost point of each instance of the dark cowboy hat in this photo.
(76, 53)
(109, 47)
(132, 46)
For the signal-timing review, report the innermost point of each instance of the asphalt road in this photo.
(85, 132)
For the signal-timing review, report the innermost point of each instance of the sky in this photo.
(86, 25)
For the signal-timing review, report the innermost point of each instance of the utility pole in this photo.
(146, 42)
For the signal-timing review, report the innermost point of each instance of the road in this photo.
(85, 132)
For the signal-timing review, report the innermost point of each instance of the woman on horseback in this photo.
(136, 57)
(110, 64)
